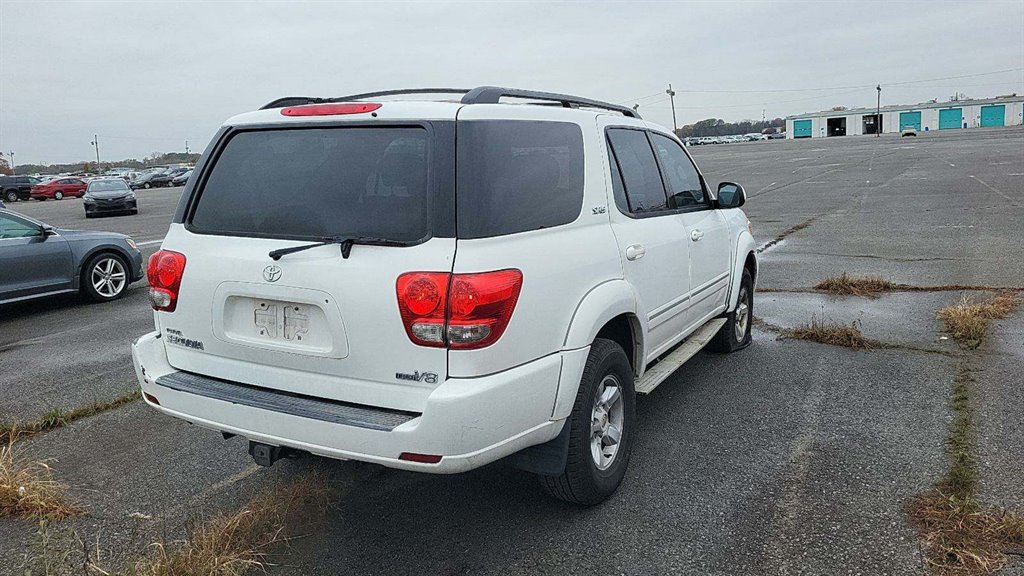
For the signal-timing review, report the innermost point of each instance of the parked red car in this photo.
(58, 188)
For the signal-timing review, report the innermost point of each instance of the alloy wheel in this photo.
(606, 422)
(742, 314)
(108, 277)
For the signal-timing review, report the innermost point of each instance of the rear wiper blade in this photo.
(346, 243)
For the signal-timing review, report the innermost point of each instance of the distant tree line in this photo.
(5, 167)
(719, 127)
(154, 159)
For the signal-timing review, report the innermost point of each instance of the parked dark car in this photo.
(14, 188)
(110, 195)
(152, 180)
(39, 260)
(59, 188)
(181, 179)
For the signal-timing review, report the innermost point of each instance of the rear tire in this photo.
(105, 277)
(735, 335)
(11, 196)
(601, 429)
(146, 186)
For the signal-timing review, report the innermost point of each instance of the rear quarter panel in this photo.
(560, 265)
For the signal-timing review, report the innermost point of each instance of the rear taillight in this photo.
(462, 311)
(330, 109)
(421, 301)
(164, 274)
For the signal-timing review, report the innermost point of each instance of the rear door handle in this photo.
(696, 235)
(635, 252)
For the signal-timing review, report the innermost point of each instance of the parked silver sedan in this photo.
(40, 260)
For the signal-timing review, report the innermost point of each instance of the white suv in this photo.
(434, 285)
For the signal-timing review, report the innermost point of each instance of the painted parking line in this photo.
(149, 243)
(996, 190)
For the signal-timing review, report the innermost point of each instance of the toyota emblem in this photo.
(272, 273)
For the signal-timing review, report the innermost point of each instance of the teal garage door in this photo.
(952, 118)
(801, 128)
(912, 119)
(993, 115)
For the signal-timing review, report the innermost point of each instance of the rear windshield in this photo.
(515, 175)
(313, 183)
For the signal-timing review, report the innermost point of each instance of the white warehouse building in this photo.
(959, 114)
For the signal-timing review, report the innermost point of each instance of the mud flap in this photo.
(547, 459)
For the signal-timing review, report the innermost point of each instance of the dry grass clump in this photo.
(27, 487)
(963, 536)
(968, 320)
(831, 332)
(59, 417)
(232, 544)
(960, 534)
(856, 285)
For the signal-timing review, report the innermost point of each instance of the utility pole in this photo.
(11, 154)
(96, 144)
(672, 96)
(186, 147)
(878, 113)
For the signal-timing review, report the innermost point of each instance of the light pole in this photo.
(878, 113)
(186, 147)
(96, 144)
(672, 96)
(11, 154)
(636, 108)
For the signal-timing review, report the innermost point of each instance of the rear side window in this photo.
(683, 181)
(515, 175)
(644, 189)
(315, 183)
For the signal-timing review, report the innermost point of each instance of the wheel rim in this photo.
(742, 314)
(59, 195)
(108, 277)
(606, 422)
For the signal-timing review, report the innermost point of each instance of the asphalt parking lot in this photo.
(787, 458)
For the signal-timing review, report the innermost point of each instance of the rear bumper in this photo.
(470, 422)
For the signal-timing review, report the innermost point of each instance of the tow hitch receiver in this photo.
(265, 454)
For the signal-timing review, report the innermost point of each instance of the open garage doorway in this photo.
(872, 124)
(837, 126)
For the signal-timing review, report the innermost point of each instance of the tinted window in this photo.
(11, 227)
(644, 189)
(515, 176)
(312, 183)
(683, 180)
(618, 188)
(107, 185)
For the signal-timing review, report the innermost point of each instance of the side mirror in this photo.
(731, 195)
(48, 230)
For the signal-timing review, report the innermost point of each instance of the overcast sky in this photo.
(147, 76)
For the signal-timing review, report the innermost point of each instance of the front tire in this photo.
(11, 196)
(601, 429)
(58, 195)
(147, 186)
(105, 277)
(736, 334)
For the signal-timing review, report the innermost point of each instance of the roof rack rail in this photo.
(493, 94)
(301, 100)
(478, 95)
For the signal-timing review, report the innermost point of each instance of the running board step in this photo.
(669, 364)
